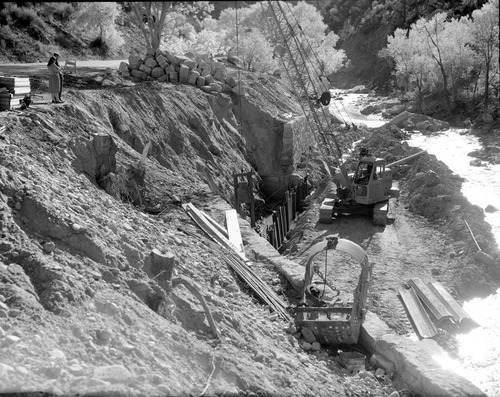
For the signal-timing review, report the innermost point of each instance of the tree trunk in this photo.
(487, 83)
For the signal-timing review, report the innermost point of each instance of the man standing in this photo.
(55, 78)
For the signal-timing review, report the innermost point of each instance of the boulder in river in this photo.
(421, 122)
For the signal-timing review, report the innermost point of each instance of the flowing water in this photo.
(479, 350)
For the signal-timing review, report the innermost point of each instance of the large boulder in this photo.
(134, 61)
(123, 67)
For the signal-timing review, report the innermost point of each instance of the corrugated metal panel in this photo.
(421, 321)
(431, 301)
(459, 314)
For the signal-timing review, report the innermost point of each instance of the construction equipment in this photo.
(367, 191)
(340, 322)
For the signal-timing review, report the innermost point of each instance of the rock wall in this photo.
(198, 70)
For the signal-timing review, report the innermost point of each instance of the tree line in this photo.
(454, 58)
(451, 54)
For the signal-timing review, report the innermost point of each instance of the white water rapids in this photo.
(479, 350)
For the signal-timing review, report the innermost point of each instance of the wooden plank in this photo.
(459, 314)
(240, 264)
(233, 229)
(277, 226)
(283, 223)
(14, 79)
(420, 319)
(21, 91)
(430, 300)
(214, 223)
(207, 227)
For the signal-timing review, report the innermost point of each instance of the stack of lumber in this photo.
(13, 89)
(235, 258)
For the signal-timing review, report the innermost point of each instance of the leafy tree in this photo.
(410, 63)
(256, 52)
(100, 16)
(432, 34)
(320, 47)
(484, 41)
(447, 54)
(210, 39)
(156, 19)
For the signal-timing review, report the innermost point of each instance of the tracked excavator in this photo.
(368, 190)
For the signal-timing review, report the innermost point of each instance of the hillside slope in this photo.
(78, 311)
(82, 312)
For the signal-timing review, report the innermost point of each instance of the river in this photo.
(479, 350)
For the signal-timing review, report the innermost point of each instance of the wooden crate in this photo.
(6, 102)
(17, 86)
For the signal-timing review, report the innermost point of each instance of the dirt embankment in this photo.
(79, 314)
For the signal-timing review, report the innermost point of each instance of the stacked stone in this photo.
(194, 69)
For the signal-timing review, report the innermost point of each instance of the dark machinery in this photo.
(338, 323)
(368, 190)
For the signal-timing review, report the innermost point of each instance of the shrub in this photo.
(99, 46)
(7, 38)
(5, 17)
(61, 12)
(24, 17)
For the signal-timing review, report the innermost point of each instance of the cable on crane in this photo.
(323, 100)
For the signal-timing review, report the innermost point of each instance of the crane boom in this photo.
(306, 82)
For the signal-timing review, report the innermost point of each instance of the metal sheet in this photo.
(421, 321)
(430, 300)
(459, 314)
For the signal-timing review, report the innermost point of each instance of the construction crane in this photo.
(311, 90)
(367, 191)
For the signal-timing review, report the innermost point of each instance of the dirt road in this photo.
(408, 247)
(40, 68)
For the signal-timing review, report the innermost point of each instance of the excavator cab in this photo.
(370, 180)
